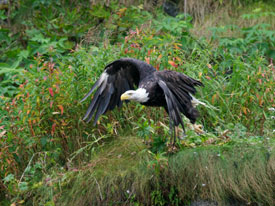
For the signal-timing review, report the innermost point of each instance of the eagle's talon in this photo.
(198, 128)
(183, 136)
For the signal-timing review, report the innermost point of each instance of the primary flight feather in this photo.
(169, 89)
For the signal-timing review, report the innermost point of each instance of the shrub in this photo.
(41, 129)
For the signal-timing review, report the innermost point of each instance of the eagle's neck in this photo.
(141, 95)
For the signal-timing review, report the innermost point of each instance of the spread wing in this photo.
(173, 106)
(177, 89)
(118, 77)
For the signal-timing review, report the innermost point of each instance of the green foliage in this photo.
(124, 172)
(174, 25)
(51, 56)
(247, 78)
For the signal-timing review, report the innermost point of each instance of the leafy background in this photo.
(53, 51)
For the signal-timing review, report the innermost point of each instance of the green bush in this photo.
(47, 73)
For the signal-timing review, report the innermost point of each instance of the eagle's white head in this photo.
(139, 95)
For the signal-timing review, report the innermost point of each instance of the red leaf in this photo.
(179, 59)
(207, 77)
(157, 67)
(177, 47)
(57, 88)
(53, 128)
(209, 66)
(138, 31)
(159, 57)
(261, 101)
(173, 64)
(3, 133)
(51, 91)
(30, 125)
(51, 104)
(61, 108)
(147, 59)
(260, 81)
(244, 110)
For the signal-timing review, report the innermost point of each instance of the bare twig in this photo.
(26, 168)
(99, 189)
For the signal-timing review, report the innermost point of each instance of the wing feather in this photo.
(103, 103)
(93, 109)
(92, 105)
(91, 91)
(174, 107)
(119, 76)
(181, 87)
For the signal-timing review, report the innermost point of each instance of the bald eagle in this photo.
(169, 89)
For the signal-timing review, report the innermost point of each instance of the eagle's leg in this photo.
(172, 131)
(176, 134)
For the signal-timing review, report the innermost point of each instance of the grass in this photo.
(49, 156)
(227, 16)
(124, 172)
(225, 174)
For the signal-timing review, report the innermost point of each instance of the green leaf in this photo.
(43, 141)
(9, 178)
(40, 38)
(23, 186)
(2, 15)
(24, 54)
(257, 10)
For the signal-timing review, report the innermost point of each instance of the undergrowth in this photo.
(53, 54)
(124, 172)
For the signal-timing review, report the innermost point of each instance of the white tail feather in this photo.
(196, 102)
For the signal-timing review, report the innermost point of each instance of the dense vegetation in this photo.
(51, 52)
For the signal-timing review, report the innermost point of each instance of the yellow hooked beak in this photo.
(124, 97)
